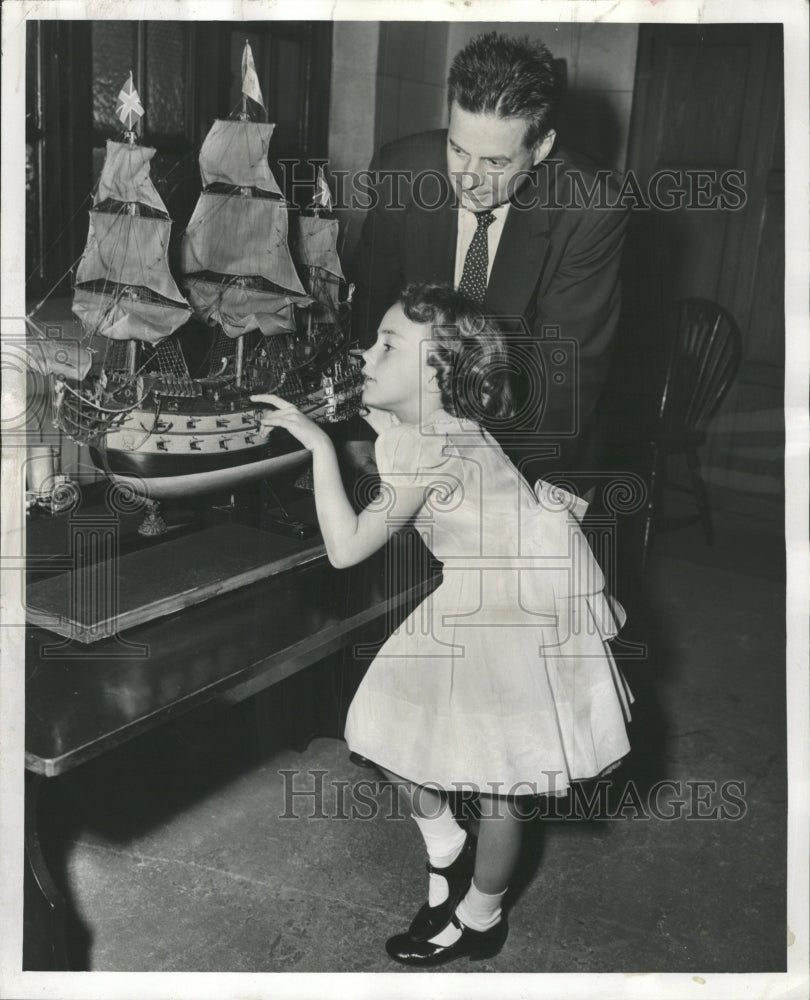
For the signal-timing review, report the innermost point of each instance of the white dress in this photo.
(502, 678)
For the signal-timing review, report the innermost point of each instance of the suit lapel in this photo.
(518, 262)
(522, 250)
(433, 255)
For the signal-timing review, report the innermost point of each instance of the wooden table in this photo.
(83, 700)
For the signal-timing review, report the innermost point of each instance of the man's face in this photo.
(486, 156)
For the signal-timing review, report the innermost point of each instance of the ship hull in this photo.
(150, 465)
(170, 487)
(183, 453)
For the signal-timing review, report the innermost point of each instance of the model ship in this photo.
(262, 279)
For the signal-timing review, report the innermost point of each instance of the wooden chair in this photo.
(703, 357)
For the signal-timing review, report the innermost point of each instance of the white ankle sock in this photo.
(444, 840)
(447, 935)
(480, 910)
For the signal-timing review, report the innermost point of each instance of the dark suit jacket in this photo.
(556, 267)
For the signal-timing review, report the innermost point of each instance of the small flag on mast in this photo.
(250, 81)
(129, 110)
(323, 196)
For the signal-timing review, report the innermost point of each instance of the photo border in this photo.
(14, 983)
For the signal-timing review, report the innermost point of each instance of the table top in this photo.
(82, 700)
(90, 601)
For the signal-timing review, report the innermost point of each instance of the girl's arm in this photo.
(349, 537)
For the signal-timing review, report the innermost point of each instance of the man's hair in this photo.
(467, 351)
(507, 77)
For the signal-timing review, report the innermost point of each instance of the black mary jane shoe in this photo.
(476, 945)
(430, 919)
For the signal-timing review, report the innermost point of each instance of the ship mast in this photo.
(124, 290)
(238, 270)
(131, 139)
(247, 65)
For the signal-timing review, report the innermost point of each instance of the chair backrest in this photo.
(705, 348)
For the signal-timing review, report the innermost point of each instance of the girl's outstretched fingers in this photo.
(269, 399)
(288, 416)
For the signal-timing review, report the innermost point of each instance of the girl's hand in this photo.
(291, 419)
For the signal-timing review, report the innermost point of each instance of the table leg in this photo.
(44, 947)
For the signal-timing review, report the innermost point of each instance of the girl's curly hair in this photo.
(468, 352)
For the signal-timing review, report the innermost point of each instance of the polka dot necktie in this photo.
(474, 276)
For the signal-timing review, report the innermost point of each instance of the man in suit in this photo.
(490, 206)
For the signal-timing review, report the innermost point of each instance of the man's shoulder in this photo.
(424, 150)
(576, 174)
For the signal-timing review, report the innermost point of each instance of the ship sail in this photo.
(125, 177)
(235, 152)
(316, 236)
(235, 256)
(124, 289)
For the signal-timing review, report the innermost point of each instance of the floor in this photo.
(179, 856)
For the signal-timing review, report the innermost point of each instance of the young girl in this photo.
(501, 681)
